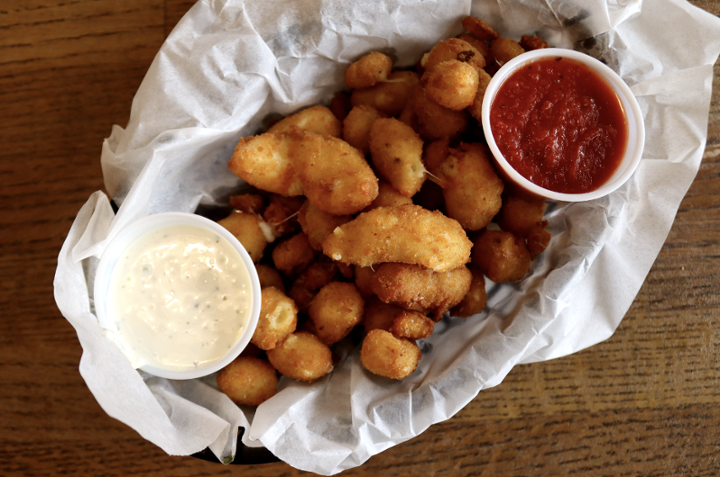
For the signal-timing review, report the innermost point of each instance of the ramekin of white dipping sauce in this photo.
(178, 294)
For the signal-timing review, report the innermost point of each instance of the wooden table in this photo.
(644, 402)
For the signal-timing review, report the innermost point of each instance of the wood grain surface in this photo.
(644, 402)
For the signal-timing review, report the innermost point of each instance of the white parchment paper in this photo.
(229, 65)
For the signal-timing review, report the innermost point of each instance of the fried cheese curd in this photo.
(278, 318)
(405, 234)
(385, 355)
(336, 310)
(248, 203)
(349, 182)
(454, 49)
(523, 217)
(501, 256)
(538, 239)
(357, 124)
(533, 42)
(411, 325)
(264, 161)
(369, 70)
(335, 176)
(302, 356)
(293, 255)
(388, 196)
(280, 214)
(505, 49)
(379, 315)
(396, 151)
(452, 84)
(363, 280)
(417, 288)
(340, 105)
(479, 29)
(332, 174)
(248, 230)
(388, 97)
(248, 380)
(481, 46)
(269, 277)
(303, 290)
(475, 109)
(436, 121)
(318, 224)
(475, 299)
(471, 187)
(316, 119)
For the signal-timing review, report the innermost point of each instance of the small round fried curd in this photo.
(178, 294)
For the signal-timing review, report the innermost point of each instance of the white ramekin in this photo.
(109, 259)
(636, 127)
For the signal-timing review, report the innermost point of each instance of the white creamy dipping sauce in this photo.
(180, 297)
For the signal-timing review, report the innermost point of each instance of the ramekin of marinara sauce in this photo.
(562, 125)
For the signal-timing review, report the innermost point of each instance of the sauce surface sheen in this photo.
(181, 297)
(560, 125)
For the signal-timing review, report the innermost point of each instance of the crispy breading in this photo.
(404, 234)
(390, 96)
(454, 49)
(264, 162)
(269, 277)
(388, 196)
(501, 256)
(523, 217)
(475, 109)
(336, 310)
(519, 215)
(248, 203)
(533, 42)
(357, 124)
(471, 187)
(278, 318)
(475, 299)
(436, 121)
(452, 84)
(479, 45)
(418, 288)
(363, 280)
(313, 278)
(379, 315)
(335, 176)
(321, 272)
(369, 70)
(318, 224)
(505, 49)
(538, 239)
(280, 214)
(318, 119)
(331, 173)
(479, 29)
(246, 228)
(396, 151)
(302, 356)
(248, 380)
(301, 295)
(293, 254)
(412, 325)
(385, 355)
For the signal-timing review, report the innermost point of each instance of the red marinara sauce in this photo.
(560, 125)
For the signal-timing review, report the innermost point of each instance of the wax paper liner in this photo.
(230, 66)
